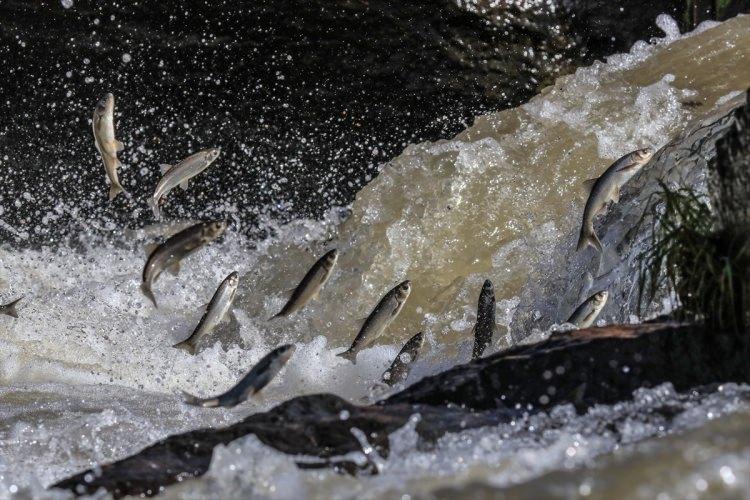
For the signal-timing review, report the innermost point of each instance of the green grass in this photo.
(699, 257)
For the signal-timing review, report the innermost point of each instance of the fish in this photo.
(169, 254)
(485, 325)
(180, 175)
(9, 309)
(103, 124)
(215, 312)
(399, 369)
(256, 379)
(379, 319)
(585, 314)
(310, 286)
(606, 188)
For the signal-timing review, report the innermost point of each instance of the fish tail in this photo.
(186, 346)
(10, 309)
(114, 190)
(146, 289)
(191, 400)
(588, 237)
(276, 316)
(154, 204)
(349, 354)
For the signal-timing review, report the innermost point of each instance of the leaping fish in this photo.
(379, 319)
(180, 175)
(216, 310)
(585, 314)
(169, 254)
(9, 309)
(103, 125)
(606, 188)
(310, 285)
(255, 380)
(399, 369)
(485, 326)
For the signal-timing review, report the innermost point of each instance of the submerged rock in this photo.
(582, 367)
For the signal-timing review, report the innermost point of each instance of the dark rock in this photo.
(586, 367)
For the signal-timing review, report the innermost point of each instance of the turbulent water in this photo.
(89, 376)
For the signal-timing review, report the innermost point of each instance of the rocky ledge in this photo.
(582, 367)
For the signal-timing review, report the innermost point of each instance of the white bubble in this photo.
(126, 58)
(66, 3)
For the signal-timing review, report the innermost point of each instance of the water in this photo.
(89, 376)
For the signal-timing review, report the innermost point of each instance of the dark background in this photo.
(305, 98)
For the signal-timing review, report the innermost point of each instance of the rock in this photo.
(585, 367)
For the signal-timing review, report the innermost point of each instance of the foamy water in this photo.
(90, 376)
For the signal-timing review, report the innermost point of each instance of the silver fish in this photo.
(180, 174)
(379, 319)
(103, 124)
(311, 284)
(255, 380)
(401, 366)
(9, 309)
(169, 254)
(585, 314)
(485, 326)
(606, 188)
(216, 310)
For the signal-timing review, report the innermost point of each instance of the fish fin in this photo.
(174, 269)
(191, 400)
(589, 238)
(185, 346)
(10, 309)
(184, 185)
(164, 168)
(154, 204)
(588, 185)
(228, 317)
(275, 316)
(114, 190)
(150, 247)
(119, 146)
(614, 196)
(146, 289)
(350, 355)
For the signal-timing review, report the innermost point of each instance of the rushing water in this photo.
(89, 376)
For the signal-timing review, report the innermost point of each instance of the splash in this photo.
(494, 202)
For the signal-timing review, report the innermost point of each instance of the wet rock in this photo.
(583, 367)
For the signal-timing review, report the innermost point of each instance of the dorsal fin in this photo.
(164, 168)
(588, 185)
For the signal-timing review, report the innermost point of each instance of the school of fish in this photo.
(168, 256)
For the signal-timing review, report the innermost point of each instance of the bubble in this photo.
(66, 3)
(126, 58)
